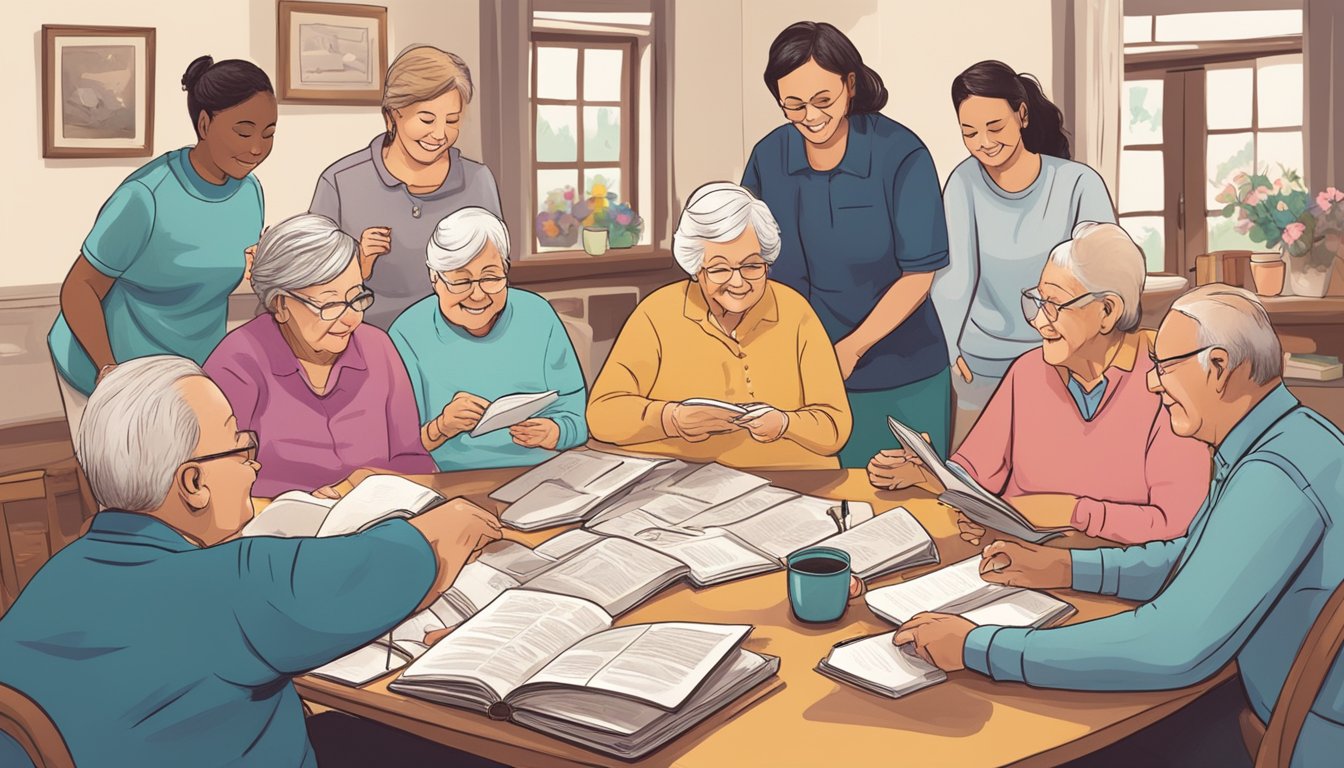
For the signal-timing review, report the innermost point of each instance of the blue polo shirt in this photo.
(148, 650)
(848, 234)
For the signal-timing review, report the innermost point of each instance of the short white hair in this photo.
(1233, 319)
(462, 235)
(719, 212)
(138, 428)
(299, 252)
(1106, 260)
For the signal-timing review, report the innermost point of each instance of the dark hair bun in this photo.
(194, 72)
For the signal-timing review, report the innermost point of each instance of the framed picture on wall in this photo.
(331, 53)
(97, 91)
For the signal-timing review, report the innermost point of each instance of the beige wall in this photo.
(48, 205)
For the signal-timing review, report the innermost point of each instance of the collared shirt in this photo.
(174, 244)
(1262, 557)
(1135, 480)
(147, 650)
(671, 350)
(1087, 400)
(848, 234)
(526, 351)
(358, 192)
(365, 418)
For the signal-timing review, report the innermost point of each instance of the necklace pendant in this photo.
(415, 211)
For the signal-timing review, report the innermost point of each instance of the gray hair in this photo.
(461, 237)
(1233, 319)
(1106, 260)
(299, 252)
(137, 429)
(717, 213)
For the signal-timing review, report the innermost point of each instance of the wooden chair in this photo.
(14, 489)
(28, 724)
(1272, 746)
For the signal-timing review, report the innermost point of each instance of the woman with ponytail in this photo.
(168, 247)
(862, 232)
(1014, 199)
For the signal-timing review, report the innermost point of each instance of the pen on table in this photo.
(388, 666)
(834, 514)
(844, 514)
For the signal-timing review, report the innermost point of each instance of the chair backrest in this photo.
(1319, 652)
(14, 489)
(23, 720)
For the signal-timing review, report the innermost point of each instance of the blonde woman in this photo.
(391, 194)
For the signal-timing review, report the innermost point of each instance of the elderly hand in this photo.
(536, 433)
(695, 423)
(893, 470)
(767, 427)
(938, 638)
(373, 242)
(249, 256)
(337, 490)
(461, 414)
(971, 531)
(1019, 564)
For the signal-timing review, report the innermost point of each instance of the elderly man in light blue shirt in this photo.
(159, 639)
(1260, 560)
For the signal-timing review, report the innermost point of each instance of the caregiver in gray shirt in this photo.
(1007, 206)
(391, 194)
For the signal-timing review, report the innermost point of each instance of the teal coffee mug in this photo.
(818, 583)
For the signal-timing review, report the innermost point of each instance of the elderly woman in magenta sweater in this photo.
(1073, 436)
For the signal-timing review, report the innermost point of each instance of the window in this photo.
(1206, 96)
(588, 74)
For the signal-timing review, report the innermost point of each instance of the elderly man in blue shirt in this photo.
(1260, 560)
(158, 638)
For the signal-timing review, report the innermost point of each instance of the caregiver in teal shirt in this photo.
(861, 233)
(155, 272)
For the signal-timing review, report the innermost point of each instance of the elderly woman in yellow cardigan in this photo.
(730, 335)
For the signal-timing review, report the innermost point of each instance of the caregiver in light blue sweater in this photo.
(1007, 206)
(476, 340)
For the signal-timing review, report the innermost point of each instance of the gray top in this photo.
(358, 192)
(998, 242)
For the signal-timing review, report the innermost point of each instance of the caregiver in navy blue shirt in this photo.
(862, 228)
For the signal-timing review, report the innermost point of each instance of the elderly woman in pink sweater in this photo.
(1072, 436)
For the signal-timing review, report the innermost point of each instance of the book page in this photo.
(362, 665)
(566, 544)
(513, 559)
(513, 409)
(952, 476)
(1021, 608)
(509, 641)
(952, 589)
(476, 586)
(672, 509)
(571, 469)
(709, 402)
(896, 669)
(889, 536)
(741, 508)
(658, 663)
(291, 514)
(373, 499)
(612, 573)
(716, 556)
(788, 527)
(715, 484)
(550, 503)
(409, 635)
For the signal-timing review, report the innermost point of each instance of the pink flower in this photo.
(1278, 183)
(1243, 226)
(1292, 232)
(1256, 196)
(622, 218)
(1282, 206)
(1327, 199)
(1240, 178)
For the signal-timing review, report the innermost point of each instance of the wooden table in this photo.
(808, 719)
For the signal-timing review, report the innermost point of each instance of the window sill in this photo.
(575, 265)
(1303, 310)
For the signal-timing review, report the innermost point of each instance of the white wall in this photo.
(48, 205)
(916, 47)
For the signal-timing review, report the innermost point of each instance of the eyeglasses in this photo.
(1033, 304)
(795, 106)
(332, 311)
(1161, 364)
(721, 275)
(492, 284)
(249, 451)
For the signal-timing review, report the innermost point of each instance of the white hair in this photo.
(461, 237)
(719, 212)
(137, 429)
(1106, 260)
(1234, 320)
(299, 252)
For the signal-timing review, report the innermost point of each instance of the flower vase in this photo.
(1309, 274)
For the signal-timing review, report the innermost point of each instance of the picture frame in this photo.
(97, 91)
(331, 53)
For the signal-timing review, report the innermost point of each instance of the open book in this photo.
(506, 411)
(377, 498)
(555, 664)
(959, 589)
(568, 488)
(964, 493)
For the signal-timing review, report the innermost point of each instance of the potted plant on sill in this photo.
(1315, 240)
(1280, 214)
(602, 210)
(557, 227)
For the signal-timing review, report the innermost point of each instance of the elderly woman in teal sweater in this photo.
(476, 340)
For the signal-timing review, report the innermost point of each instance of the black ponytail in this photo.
(1044, 133)
(834, 52)
(214, 87)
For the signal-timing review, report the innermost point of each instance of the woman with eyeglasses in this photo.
(750, 346)
(862, 232)
(1073, 437)
(327, 393)
(475, 340)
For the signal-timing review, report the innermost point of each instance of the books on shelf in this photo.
(964, 493)
(569, 488)
(622, 691)
(377, 498)
(1312, 367)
